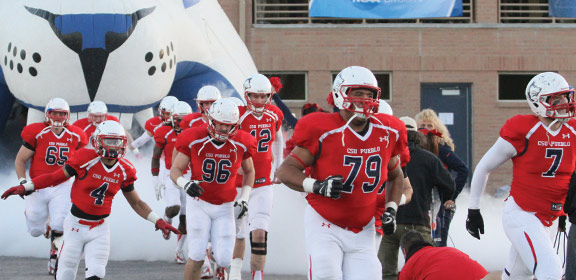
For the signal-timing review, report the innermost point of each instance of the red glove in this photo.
(19, 190)
(275, 81)
(165, 227)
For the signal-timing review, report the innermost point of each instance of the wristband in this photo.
(181, 182)
(22, 179)
(308, 185)
(152, 217)
(28, 186)
(245, 193)
(393, 205)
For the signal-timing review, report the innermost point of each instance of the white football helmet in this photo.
(385, 108)
(57, 112)
(223, 111)
(165, 106)
(354, 77)
(110, 140)
(207, 94)
(258, 85)
(544, 86)
(177, 113)
(97, 111)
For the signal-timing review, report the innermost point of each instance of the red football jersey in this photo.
(264, 129)
(51, 151)
(165, 138)
(192, 120)
(361, 159)
(89, 128)
(216, 165)
(152, 124)
(543, 165)
(96, 184)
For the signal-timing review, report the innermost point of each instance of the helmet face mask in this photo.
(544, 94)
(347, 82)
(258, 93)
(223, 118)
(57, 112)
(110, 140)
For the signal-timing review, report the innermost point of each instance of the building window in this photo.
(512, 86)
(293, 85)
(528, 11)
(296, 12)
(383, 82)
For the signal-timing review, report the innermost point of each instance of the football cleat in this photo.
(180, 259)
(221, 273)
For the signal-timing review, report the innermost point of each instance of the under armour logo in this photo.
(268, 120)
(385, 138)
(567, 135)
(326, 225)
(116, 175)
(232, 150)
(75, 229)
(69, 139)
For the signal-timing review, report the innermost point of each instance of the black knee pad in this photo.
(259, 248)
(93, 278)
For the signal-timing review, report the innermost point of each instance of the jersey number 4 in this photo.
(372, 171)
(99, 194)
(56, 155)
(556, 154)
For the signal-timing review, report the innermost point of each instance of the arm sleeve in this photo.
(277, 149)
(141, 140)
(499, 153)
(288, 117)
(450, 159)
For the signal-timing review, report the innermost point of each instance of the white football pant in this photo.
(53, 203)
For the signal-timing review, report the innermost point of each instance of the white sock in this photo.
(236, 267)
(181, 242)
(258, 275)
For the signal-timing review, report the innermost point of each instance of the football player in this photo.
(97, 113)
(101, 173)
(351, 152)
(206, 96)
(154, 123)
(175, 198)
(541, 147)
(215, 154)
(48, 145)
(264, 121)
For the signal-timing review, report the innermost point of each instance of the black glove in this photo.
(193, 189)
(475, 223)
(562, 224)
(389, 221)
(243, 208)
(330, 187)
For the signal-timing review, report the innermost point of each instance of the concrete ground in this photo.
(17, 268)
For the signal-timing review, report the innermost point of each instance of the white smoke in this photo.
(134, 238)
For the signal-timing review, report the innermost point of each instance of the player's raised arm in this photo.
(40, 182)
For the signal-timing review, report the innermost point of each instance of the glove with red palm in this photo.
(276, 83)
(17, 190)
(165, 227)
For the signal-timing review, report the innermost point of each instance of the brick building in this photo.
(485, 57)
